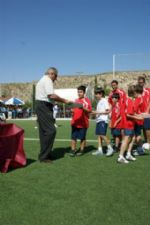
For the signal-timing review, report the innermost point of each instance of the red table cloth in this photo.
(11, 147)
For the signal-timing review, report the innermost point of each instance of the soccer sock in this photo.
(109, 146)
(128, 153)
(100, 149)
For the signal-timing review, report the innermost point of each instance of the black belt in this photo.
(45, 103)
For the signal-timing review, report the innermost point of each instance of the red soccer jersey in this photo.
(80, 118)
(129, 123)
(148, 109)
(139, 107)
(146, 97)
(121, 93)
(116, 113)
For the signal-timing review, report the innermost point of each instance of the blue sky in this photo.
(74, 36)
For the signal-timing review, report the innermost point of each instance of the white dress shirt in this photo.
(44, 88)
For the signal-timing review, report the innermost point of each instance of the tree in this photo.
(95, 82)
(33, 98)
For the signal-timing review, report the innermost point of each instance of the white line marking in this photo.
(63, 140)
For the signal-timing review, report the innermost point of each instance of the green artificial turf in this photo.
(83, 190)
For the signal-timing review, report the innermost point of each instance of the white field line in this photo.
(35, 118)
(60, 140)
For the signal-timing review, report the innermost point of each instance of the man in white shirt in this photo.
(45, 98)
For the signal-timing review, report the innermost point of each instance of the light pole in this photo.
(114, 61)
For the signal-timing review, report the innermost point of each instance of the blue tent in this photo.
(14, 101)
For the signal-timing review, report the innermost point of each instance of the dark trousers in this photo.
(47, 130)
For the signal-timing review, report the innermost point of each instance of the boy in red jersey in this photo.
(147, 125)
(139, 108)
(146, 91)
(80, 122)
(129, 118)
(115, 89)
(116, 124)
(122, 94)
(146, 97)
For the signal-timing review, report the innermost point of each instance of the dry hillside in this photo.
(24, 90)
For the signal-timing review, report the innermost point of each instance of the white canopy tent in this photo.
(69, 93)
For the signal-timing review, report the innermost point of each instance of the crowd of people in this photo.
(13, 112)
(127, 115)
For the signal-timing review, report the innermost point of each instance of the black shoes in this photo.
(79, 153)
(72, 153)
(76, 153)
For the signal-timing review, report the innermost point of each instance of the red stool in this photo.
(11, 147)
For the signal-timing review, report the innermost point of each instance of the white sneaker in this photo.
(122, 160)
(130, 157)
(109, 152)
(135, 153)
(98, 152)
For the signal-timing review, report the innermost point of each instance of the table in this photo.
(12, 154)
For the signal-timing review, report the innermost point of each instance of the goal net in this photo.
(137, 62)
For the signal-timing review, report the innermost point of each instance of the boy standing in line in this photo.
(101, 113)
(139, 108)
(129, 122)
(122, 94)
(116, 123)
(146, 98)
(80, 122)
(147, 124)
(116, 89)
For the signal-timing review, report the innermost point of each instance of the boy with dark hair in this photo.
(116, 123)
(101, 113)
(146, 91)
(80, 122)
(141, 79)
(139, 108)
(146, 98)
(115, 89)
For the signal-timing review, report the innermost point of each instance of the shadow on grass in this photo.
(89, 148)
(144, 155)
(29, 162)
(59, 153)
